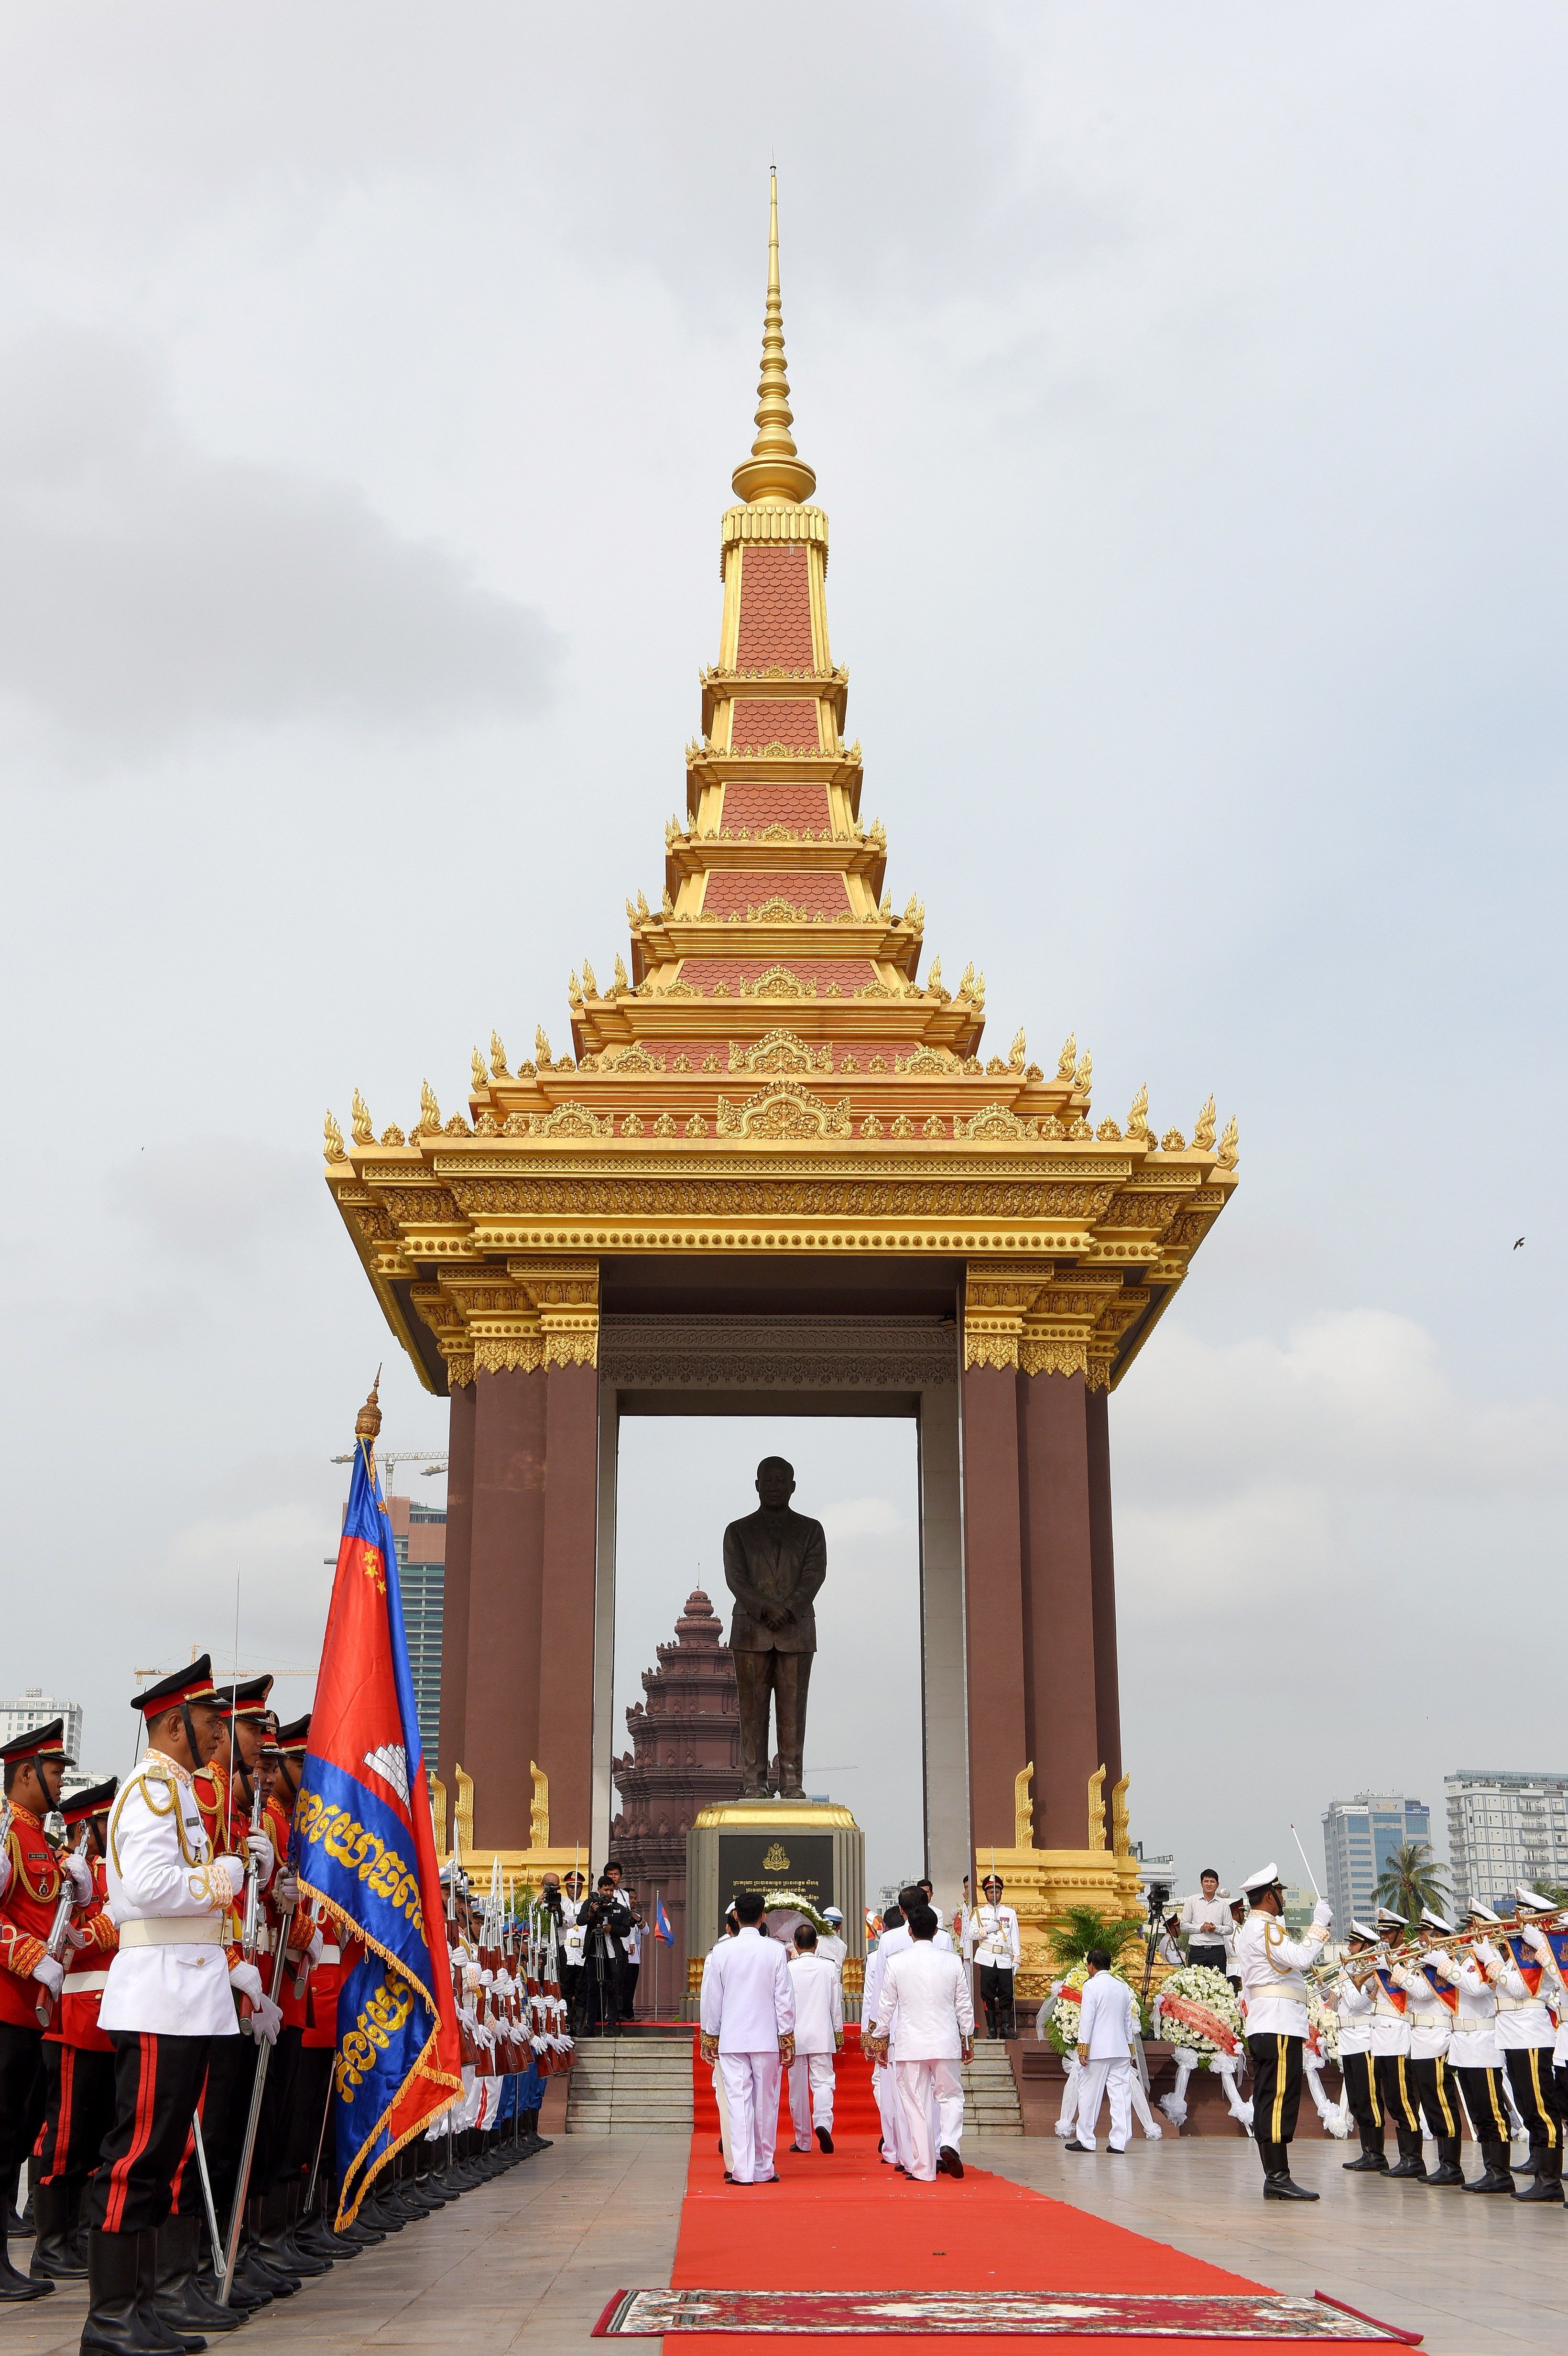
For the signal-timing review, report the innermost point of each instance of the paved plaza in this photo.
(527, 2263)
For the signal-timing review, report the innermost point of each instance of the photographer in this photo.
(573, 1987)
(605, 1923)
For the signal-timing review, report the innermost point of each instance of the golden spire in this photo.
(774, 470)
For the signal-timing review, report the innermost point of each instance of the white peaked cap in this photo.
(1435, 1922)
(1533, 1899)
(1360, 1930)
(1483, 1913)
(831, 1914)
(1265, 1880)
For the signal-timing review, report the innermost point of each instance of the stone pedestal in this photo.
(810, 1847)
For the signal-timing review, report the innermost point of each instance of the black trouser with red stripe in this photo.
(225, 2108)
(157, 2083)
(1360, 2073)
(22, 2099)
(80, 2112)
(1439, 2100)
(1277, 2098)
(1529, 2075)
(1397, 2088)
(1483, 2092)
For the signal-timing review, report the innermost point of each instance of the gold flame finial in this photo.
(775, 469)
(367, 1422)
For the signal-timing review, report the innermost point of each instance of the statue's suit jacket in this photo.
(763, 1564)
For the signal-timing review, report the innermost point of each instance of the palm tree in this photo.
(1082, 1927)
(1413, 1878)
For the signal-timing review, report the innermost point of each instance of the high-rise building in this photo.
(36, 1708)
(1505, 1825)
(419, 1533)
(1360, 1835)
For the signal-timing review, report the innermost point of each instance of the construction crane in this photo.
(432, 1459)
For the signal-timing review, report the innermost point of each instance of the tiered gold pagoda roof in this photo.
(765, 1070)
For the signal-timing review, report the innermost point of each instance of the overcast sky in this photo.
(1186, 389)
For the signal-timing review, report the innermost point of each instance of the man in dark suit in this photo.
(774, 1561)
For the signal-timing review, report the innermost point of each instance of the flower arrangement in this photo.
(1322, 2024)
(782, 1901)
(1196, 2009)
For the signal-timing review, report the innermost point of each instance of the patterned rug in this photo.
(1060, 2315)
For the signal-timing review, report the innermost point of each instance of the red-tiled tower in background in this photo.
(685, 1754)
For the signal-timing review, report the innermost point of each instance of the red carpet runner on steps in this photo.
(850, 2222)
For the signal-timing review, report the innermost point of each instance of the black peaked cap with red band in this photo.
(38, 1743)
(78, 1806)
(295, 1738)
(193, 1683)
(246, 1700)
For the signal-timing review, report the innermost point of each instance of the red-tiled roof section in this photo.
(734, 891)
(758, 721)
(775, 609)
(757, 802)
(850, 974)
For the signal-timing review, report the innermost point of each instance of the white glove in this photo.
(5, 1872)
(287, 1889)
(314, 1952)
(234, 1866)
(1534, 1936)
(264, 1855)
(49, 1973)
(1323, 1914)
(265, 2021)
(246, 1980)
(79, 1873)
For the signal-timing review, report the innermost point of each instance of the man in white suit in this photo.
(893, 1939)
(1106, 2028)
(819, 2034)
(926, 2008)
(747, 2017)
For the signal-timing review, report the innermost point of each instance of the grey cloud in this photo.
(149, 589)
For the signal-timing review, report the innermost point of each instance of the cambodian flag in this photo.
(661, 1924)
(365, 1845)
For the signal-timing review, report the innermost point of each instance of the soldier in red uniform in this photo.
(31, 1878)
(275, 2182)
(79, 2058)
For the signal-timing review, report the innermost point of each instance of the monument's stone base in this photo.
(1043, 1883)
(806, 1849)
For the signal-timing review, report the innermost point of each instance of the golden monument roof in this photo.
(764, 1070)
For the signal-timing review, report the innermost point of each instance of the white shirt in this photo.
(160, 1868)
(1391, 2030)
(1428, 2016)
(833, 1947)
(926, 2006)
(1106, 2017)
(1271, 1963)
(635, 1944)
(1473, 2038)
(993, 1937)
(1354, 2006)
(819, 2001)
(890, 1943)
(1170, 1953)
(1207, 1921)
(747, 2002)
(1522, 2019)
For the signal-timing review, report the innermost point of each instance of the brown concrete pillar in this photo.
(1107, 1691)
(505, 1586)
(993, 1598)
(565, 1669)
(454, 1583)
(1059, 1606)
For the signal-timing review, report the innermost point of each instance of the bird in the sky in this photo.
(1521, 1240)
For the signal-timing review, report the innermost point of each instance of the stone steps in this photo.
(631, 2085)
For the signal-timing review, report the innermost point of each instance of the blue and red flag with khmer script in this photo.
(364, 1843)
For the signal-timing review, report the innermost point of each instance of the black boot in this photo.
(52, 2259)
(1372, 2162)
(1411, 2163)
(1548, 2185)
(114, 2326)
(14, 2286)
(273, 2242)
(1495, 2175)
(178, 2296)
(1448, 2170)
(169, 2338)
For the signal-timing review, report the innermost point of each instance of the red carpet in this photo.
(850, 2222)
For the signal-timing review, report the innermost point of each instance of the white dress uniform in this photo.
(895, 2141)
(994, 1943)
(927, 2011)
(748, 2004)
(1106, 2025)
(834, 1948)
(171, 1900)
(818, 2026)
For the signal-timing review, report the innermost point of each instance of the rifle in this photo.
(207, 2194)
(248, 2149)
(54, 1949)
(251, 1927)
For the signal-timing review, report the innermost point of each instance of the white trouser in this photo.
(895, 2137)
(718, 2097)
(752, 2090)
(1099, 2078)
(920, 2084)
(811, 2095)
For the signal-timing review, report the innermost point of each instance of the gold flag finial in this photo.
(775, 469)
(367, 1422)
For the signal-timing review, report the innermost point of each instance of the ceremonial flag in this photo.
(661, 1924)
(364, 1843)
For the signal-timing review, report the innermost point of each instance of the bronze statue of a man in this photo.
(774, 1561)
